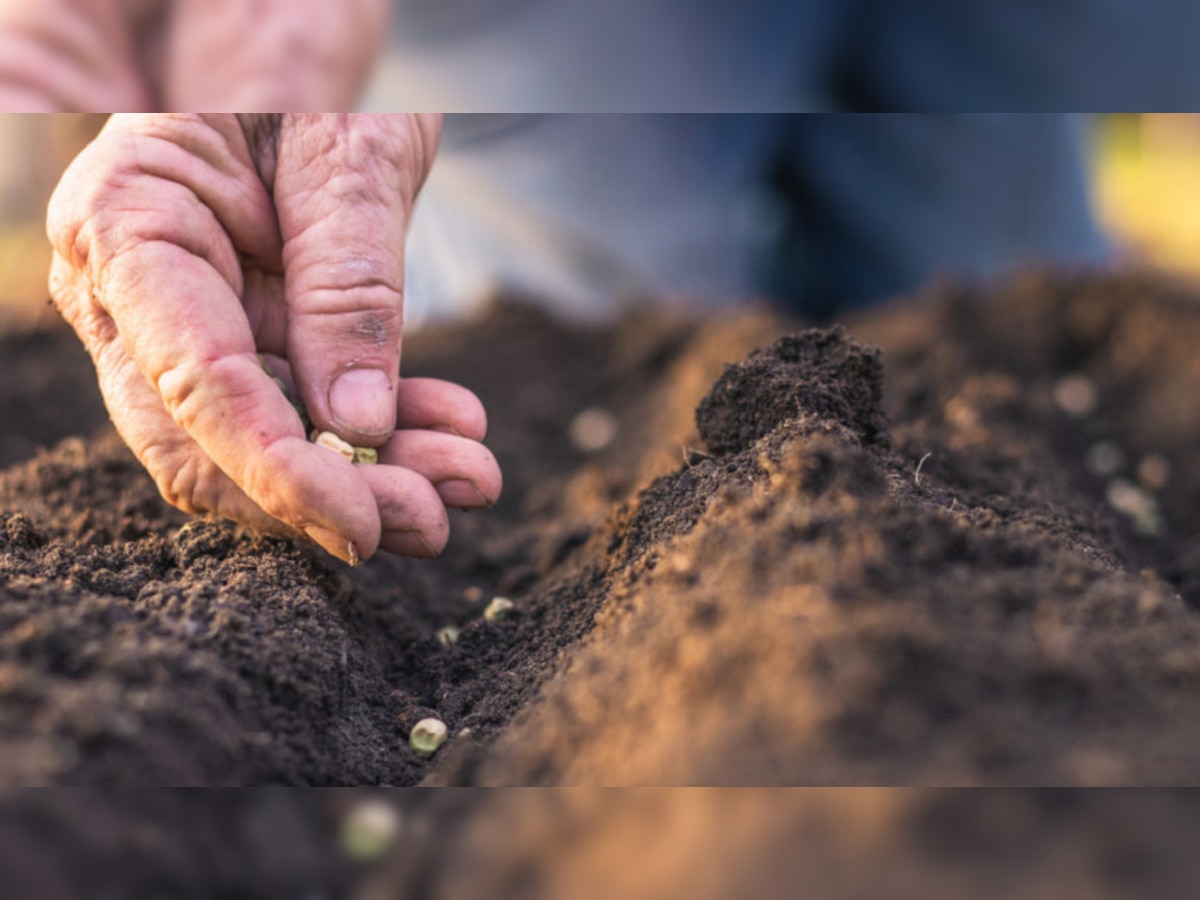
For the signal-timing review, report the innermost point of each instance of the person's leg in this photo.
(880, 204)
(883, 202)
(1023, 55)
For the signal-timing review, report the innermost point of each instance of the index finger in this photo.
(185, 330)
(161, 262)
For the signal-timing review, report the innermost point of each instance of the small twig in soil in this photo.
(920, 465)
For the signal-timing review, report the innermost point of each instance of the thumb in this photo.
(344, 188)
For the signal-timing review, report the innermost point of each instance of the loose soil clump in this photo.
(758, 590)
(817, 375)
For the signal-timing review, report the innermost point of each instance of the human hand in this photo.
(128, 55)
(289, 55)
(186, 245)
(77, 55)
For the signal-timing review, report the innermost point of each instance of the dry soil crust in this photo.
(774, 598)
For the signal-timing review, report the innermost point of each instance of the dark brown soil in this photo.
(50, 394)
(777, 597)
(272, 844)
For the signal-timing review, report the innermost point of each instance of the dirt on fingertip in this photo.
(888, 553)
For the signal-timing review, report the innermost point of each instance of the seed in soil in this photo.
(369, 829)
(1130, 500)
(498, 609)
(448, 635)
(1075, 395)
(426, 736)
(1104, 459)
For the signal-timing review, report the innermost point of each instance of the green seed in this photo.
(369, 830)
(367, 456)
(498, 609)
(448, 635)
(426, 736)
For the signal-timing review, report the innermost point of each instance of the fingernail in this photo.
(334, 544)
(407, 543)
(363, 400)
(461, 494)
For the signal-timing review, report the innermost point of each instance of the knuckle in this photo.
(355, 324)
(108, 203)
(275, 482)
(353, 283)
(364, 282)
(186, 387)
(179, 482)
(365, 143)
(81, 206)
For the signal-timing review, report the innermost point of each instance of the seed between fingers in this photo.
(363, 455)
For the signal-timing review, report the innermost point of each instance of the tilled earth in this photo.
(955, 543)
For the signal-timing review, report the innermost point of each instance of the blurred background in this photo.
(842, 844)
(1144, 173)
(34, 151)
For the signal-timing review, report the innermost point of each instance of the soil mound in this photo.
(816, 374)
(977, 594)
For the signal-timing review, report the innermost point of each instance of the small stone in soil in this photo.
(426, 736)
(1130, 500)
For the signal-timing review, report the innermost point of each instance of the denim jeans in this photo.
(819, 212)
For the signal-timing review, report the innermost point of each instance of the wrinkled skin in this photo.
(142, 55)
(186, 245)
